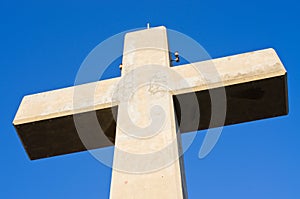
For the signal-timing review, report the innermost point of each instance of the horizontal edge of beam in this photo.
(230, 70)
(66, 101)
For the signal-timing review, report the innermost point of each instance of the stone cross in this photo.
(143, 112)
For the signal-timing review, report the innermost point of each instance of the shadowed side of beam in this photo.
(59, 136)
(245, 102)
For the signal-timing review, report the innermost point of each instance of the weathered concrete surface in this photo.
(146, 161)
(227, 71)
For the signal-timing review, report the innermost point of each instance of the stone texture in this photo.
(226, 71)
(146, 160)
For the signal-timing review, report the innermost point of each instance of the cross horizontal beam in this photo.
(255, 84)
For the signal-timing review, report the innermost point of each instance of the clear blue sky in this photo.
(42, 45)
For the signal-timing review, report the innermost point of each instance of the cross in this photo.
(143, 112)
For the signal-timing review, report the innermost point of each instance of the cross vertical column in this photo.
(146, 158)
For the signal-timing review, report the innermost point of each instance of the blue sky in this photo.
(43, 43)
